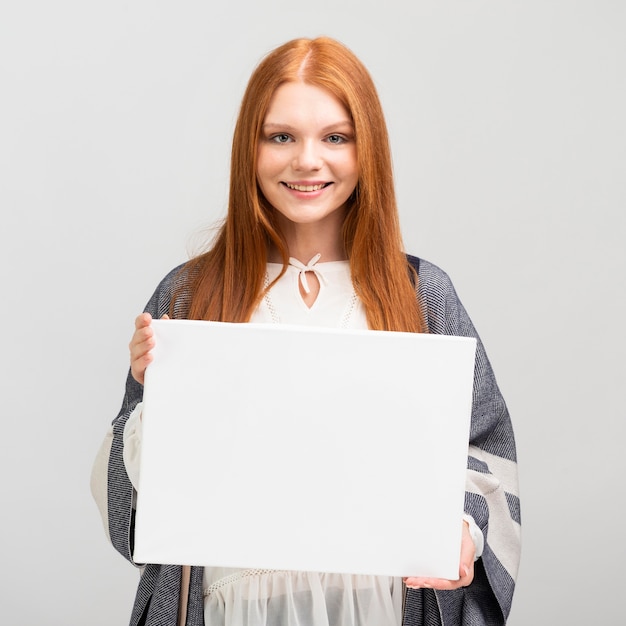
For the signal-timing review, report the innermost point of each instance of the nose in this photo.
(307, 156)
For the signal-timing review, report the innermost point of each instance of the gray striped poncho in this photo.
(491, 490)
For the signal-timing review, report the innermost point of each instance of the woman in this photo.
(312, 237)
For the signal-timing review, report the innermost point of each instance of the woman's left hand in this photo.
(466, 569)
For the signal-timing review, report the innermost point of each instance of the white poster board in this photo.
(311, 449)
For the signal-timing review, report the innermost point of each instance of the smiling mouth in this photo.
(306, 187)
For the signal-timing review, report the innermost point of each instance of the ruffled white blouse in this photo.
(254, 597)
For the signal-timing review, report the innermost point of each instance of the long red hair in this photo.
(227, 282)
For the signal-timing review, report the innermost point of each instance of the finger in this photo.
(414, 582)
(466, 574)
(142, 336)
(139, 365)
(139, 353)
(141, 339)
(140, 346)
(143, 320)
(165, 317)
(468, 552)
(440, 584)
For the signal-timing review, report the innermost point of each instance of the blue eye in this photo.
(336, 139)
(280, 138)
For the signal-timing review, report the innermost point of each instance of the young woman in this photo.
(312, 237)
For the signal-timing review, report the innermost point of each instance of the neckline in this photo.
(328, 264)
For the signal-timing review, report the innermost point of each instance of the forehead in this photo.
(298, 103)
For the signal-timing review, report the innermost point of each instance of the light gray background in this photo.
(509, 139)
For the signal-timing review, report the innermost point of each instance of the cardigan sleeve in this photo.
(492, 496)
(120, 500)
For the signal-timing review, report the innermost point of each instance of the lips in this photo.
(315, 187)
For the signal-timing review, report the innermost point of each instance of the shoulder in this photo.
(438, 297)
(175, 277)
(431, 277)
(174, 285)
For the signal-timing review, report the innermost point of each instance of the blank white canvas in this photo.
(304, 449)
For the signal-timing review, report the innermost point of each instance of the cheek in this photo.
(351, 179)
(349, 167)
(267, 175)
(268, 163)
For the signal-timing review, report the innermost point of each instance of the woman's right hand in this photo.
(141, 345)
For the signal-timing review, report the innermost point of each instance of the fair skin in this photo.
(306, 168)
(141, 345)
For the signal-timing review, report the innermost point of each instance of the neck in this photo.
(304, 241)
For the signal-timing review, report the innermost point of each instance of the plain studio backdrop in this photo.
(509, 141)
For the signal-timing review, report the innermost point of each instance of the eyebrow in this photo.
(276, 126)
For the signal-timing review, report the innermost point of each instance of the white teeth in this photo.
(304, 187)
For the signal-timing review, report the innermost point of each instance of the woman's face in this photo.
(307, 162)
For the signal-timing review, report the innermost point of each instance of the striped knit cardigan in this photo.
(491, 489)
